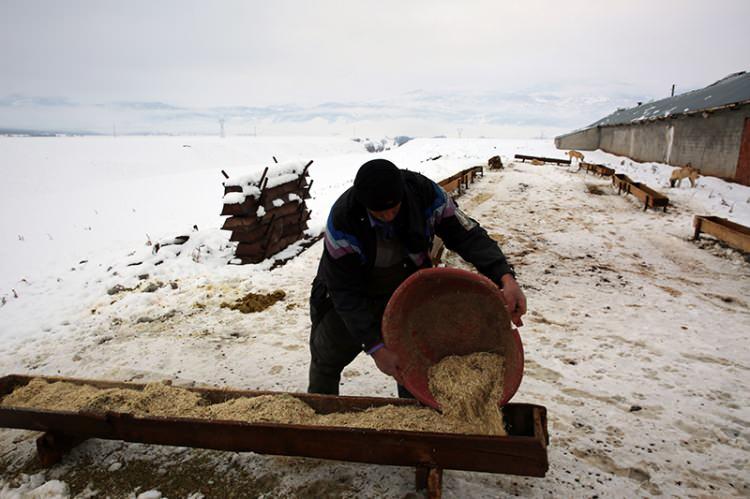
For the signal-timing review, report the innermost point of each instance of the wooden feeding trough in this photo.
(598, 169)
(458, 183)
(733, 234)
(621, 182)
(455, 185)
(650, 197)
(524, 157)
(522, 452)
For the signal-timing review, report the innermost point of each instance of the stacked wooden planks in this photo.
(267, 212)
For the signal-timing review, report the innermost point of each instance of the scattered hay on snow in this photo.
(253, 302)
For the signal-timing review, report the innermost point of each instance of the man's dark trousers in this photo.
(332, 348)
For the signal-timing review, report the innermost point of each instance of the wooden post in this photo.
(270, 224)
(268, 237)
(262, 192)
(304, 172)
(51, 447)
(430, 479)
(262, 178)
(697, 222)
(306, 194)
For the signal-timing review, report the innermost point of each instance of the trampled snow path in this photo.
(624, 311)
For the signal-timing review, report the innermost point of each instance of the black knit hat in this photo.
(379, 185)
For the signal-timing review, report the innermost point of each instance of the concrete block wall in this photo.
(585, 140)
(710, 143)
(647, 142)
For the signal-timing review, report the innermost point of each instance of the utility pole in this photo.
(460, 131)
(672, 89)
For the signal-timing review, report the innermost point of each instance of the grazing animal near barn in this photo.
(574, 154)
(537, 162)
(686, 171)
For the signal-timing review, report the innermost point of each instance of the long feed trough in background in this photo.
(524, 157)
(455, 186)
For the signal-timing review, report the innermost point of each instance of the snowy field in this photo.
(636, 336)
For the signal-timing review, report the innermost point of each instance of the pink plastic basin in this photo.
(443, 311)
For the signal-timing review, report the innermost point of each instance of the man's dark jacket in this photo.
(350, 245)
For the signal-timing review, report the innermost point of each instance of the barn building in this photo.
(708, 128)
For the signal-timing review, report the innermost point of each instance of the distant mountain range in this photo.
(433, 113)
(24, 132)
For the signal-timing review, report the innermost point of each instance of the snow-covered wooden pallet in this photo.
(267, 211)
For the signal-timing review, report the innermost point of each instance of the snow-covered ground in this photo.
(625, 311)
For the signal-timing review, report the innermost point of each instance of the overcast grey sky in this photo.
(493, 67)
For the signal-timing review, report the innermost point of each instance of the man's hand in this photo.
(515, 300)
(387, 361)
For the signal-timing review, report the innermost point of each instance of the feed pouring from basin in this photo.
(443, 311)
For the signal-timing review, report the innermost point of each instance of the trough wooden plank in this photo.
(452, 185)
(523, 452)
(735, 235)
(604, 171)
(650, 197)
(524, 157)
(621, 182)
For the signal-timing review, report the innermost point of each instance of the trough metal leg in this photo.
(697, 233)
(430, 479)
(51, 447)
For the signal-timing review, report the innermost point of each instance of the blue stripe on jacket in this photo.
(340, 243)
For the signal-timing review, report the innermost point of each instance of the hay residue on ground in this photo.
(161, 399)
(469, 388)
(254, 302)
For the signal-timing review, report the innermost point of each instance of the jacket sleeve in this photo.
(465, 236)
(343, 270)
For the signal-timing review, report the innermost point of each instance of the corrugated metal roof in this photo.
(733, 89)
